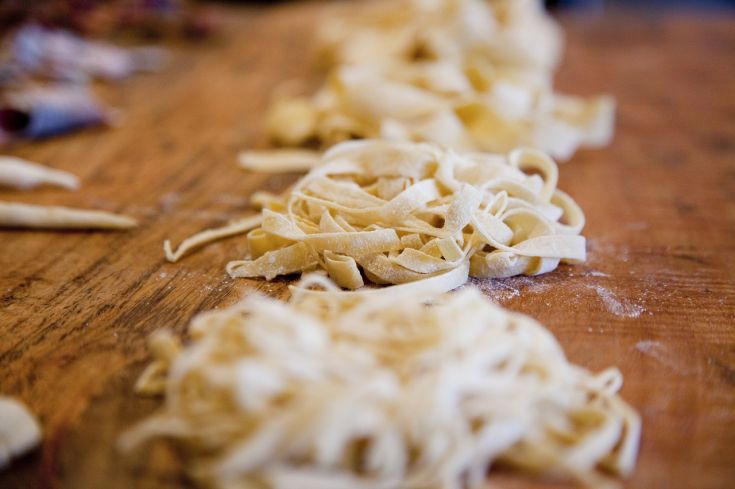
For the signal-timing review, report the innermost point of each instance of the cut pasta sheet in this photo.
(19, 430)
(396, 213)
(19, 173)
(381, 390)
(16, 215)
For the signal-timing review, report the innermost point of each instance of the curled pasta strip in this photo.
(200, 239)
(388, 388)
(396, 213)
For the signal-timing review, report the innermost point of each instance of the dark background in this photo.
(646, 4)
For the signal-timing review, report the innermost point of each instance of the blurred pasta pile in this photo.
(467, 74)
(399, 390)
(429, 84)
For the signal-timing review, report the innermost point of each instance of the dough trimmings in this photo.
(19, 430)
(278, 160)
(404, 212)
(23, 174)
(19, 173)
(381, 390)
(16, 215)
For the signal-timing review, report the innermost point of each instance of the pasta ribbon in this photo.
(23, 174)
(390, 105)
(393, 388)
(13, 214)
(404, 212)
(473, 75)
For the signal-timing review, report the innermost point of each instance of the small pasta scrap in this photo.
(278, 160)
(404, 212)
(471, 75)
(17, 215)
(19, 430)
(385, 389)
(23, 174)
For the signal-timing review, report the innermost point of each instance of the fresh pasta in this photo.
(19, 173)
(507, 33)
(468, 74)
(19, 430)
(388, 389)
(403, 212)
(17, 215)
(23, 174)
(278, 160)
(486, 110)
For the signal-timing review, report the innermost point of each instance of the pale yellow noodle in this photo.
(403, 212)
(398, 388)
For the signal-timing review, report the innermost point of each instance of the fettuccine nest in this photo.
(467, 74)
(507, 33)
(381, 391)
(404, 212)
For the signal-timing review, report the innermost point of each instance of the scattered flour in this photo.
(615, 306)
(663, 355)
(637, 226)
(277, 183)
(210, 215)
(135, 209)
(230, 199)
(139, 210)
(505, 289)
(169, 201)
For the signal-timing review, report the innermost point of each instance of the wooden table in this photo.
(656, 296)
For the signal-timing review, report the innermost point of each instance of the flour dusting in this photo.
(612, 304)
(169, 201)
(662, 354)
(230, 199)
(505, 289)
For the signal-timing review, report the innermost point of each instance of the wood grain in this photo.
(656, 298)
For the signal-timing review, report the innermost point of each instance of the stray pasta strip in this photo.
(472, 75)
(279, 160)
(200, 239)
(19, 173)
(19, 430)
(403, 212)
(390, 390)
(16, 215)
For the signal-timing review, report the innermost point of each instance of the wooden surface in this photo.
(655, 298)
